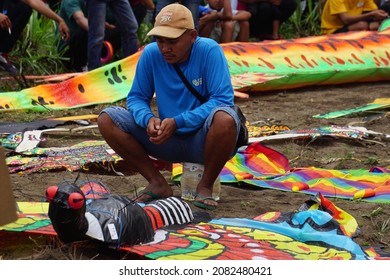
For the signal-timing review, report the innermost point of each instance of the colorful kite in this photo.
(380, 103)
(319, 230)
(88, 210)
(269, 65)
(256, 165)
(71, 158)
(336, 132)
(263, 167)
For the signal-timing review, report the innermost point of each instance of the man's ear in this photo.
(194, 35)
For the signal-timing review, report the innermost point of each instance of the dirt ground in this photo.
(293, 108)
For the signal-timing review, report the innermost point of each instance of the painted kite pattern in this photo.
(269, 65)
(316, 232)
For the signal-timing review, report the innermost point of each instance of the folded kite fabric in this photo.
(59, 158)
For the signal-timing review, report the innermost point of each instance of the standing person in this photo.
(74, 13)
(351, 15)
(14, 15)
(140, 9)
(276, 24)
(184, 130)
(126, 21)
(267, 16)
(192, 5)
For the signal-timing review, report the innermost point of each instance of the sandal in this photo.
(152, 195)
(203, 205)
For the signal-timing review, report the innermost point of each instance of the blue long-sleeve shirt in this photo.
(207, 70)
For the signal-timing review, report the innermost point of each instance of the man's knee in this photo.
(361, 25)
(373, 25)
(223, 120)
(228, 25)
(103, 120)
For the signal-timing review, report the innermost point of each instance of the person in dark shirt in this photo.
(267, 16)
(14, 15)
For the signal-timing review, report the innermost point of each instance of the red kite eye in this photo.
(51, 192)
(76, 200)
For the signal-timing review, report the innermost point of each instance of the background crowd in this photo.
(92, 32)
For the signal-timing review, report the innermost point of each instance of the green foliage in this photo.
(247, 204)
(143, 29)
(384, 226)
(303, 24)
(372, 161)
(374, 213)
(37, 49)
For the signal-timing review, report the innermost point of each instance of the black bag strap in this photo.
(201, 98)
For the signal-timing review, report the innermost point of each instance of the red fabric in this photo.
(241, 6)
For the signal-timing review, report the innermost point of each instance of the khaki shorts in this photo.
(217, 32)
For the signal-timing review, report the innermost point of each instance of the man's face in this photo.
(216, 4)
(177, 50)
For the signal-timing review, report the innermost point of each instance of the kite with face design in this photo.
(79, 211)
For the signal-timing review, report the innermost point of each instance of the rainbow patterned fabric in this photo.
(260, 166)
(319, 230)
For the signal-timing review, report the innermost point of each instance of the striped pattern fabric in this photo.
(256, 161)
(168, 211)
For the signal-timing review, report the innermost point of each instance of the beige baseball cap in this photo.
(172, 21)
